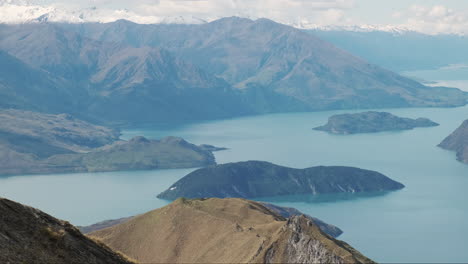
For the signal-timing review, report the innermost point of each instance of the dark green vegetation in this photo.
(371, 122)
(123, 72)
(253, 179)
(28, 235)
(32, 143)
(458, 142)
(285, 212)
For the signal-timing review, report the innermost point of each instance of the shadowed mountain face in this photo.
(225, 231)
(253, 179)
(114, 82)
(26, 87)
(458, 142)
(287, 61)
(371, 122)
(28, 235)
(123, 72)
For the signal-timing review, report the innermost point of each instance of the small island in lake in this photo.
(458, 142)
(254, 179)
(371, 122)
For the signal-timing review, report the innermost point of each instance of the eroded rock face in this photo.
(301, 248)
(302, 242)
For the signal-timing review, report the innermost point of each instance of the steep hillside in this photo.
(115, 83)
(224, 231)
(28, 235)
(458, 142)
(25, 87)
(252, 179)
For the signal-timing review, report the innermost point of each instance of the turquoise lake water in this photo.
(425, 222)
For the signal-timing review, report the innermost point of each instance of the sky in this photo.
(427, 16)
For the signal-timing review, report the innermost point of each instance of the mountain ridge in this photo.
(232, 231)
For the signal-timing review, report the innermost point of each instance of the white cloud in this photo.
(153, 11)
(331, 14)
(436, 19)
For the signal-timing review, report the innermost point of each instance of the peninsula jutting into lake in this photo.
(458, 142)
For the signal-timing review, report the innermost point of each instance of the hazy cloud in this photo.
(436, 19)
(300, 13)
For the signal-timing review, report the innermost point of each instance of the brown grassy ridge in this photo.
(228, 230)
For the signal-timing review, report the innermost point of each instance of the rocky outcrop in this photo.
(458, 142)
(224, 231)
(300, 241)
(371, 122)
(252, 179)
(288, 212)
(28, 235)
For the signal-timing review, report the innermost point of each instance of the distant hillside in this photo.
(31, 236)
(32, 143)
(124, 73)
(281, 59)
(225, 231)
(25, 87)
(458, 142)
(253, 179)
(116, 83)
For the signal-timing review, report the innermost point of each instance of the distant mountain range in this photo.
(399, 50)
(123, 72)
